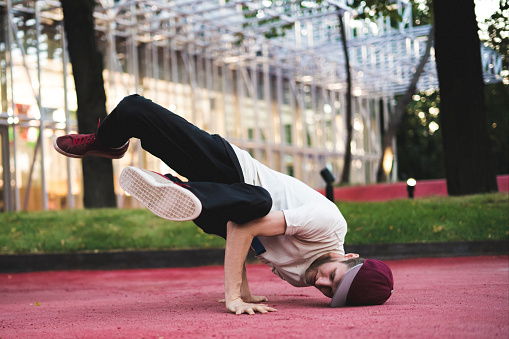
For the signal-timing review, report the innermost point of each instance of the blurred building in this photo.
(282, 98)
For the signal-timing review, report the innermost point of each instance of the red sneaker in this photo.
(82, 145)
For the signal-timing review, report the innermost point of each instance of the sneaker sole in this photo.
(100, 154)
(160, 195)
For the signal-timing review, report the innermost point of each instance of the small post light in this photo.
(410, 187)
(329, 179)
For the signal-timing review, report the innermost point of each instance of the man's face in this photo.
(326, 274)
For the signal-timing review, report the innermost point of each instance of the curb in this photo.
(192, 258)
(430, 250)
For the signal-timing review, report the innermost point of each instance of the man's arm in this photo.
(246, 291)
(238, 241)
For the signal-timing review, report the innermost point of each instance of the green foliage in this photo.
(420, 151)
(497, 106)
(498, 32)
(481, 217)
(273, 31)
(367, 9)
(373, 9)
(422, 13)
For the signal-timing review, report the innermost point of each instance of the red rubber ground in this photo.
(433, 298)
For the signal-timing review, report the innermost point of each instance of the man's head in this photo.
(350, 280)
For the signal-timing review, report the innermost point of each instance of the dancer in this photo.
(292, 228)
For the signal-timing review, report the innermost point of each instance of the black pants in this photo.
(207, 161)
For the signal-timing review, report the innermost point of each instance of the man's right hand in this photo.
(238, 241)
(238, 306)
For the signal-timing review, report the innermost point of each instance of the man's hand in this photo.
(238, 306)
(250, 299)
(254, 298)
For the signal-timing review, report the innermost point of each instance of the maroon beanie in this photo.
(369, 283)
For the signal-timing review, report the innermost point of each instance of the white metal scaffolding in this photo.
(211, 61)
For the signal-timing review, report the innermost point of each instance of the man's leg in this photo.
(238, 202)
(190, 151)
(209, 205)
(208, 161)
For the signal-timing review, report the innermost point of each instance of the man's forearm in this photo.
(238, 241)
(244, 288)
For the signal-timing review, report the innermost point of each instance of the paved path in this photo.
(433, 298)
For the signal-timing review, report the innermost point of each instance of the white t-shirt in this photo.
(314, 225)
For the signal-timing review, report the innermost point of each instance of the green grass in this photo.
(441, 219)
(97, 230)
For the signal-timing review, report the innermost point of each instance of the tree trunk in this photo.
(345, 175)
(6, 191)
(87, 67)
(400, 109)
(468, 155)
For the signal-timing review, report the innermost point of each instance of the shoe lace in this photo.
(83, 139)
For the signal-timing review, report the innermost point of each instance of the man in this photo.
(292, 228)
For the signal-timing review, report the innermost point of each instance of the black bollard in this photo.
(329, 179)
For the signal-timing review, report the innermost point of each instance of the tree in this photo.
(87, 67)
(273, 32)
(368, 9)
(345, 175)
(468, 155)
(421, 15)
(400, 108)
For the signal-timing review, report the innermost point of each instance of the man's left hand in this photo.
(254, 298)
(250, 299)
(238, 306)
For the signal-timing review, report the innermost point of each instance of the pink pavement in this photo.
(434, 298)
